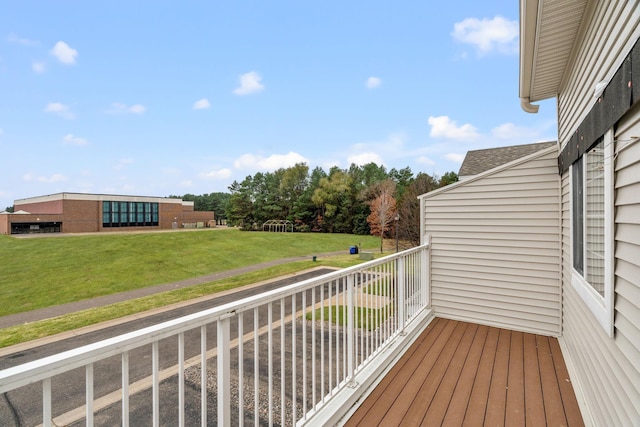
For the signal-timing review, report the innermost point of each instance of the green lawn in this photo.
(40, 272)
(365, 318)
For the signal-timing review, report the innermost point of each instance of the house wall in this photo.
(609, 368)
(610, 29)
(605, 369)
(496, 246)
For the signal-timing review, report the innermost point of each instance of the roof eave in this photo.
(549, 30)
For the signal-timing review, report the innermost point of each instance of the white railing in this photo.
(275, 358)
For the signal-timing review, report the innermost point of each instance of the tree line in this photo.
(359, 200)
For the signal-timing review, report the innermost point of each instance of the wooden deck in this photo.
(459, 373)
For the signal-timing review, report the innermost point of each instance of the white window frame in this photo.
(600, 305)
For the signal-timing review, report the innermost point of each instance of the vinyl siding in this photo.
(610, 28)
(496, 247)
(608, 370)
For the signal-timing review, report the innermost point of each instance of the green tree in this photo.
(240, 207)
(448, 178)
(409, 208)
(403, 178)
(329, 197)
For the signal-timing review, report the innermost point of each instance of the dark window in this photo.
(127, 214)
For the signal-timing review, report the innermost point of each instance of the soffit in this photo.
(548, 32)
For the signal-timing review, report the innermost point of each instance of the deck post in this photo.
(425, 272)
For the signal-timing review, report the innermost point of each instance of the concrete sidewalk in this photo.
(60, 310)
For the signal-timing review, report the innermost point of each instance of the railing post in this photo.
(401, 294)
(425, 273)
(224, 372)
(350, 327)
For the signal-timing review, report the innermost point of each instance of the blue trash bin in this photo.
(353, 250)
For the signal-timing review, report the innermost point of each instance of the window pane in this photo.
(577, 179)
(594, 218)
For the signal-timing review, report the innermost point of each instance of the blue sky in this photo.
(167, 97)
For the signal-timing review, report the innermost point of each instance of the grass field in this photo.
(41, 272)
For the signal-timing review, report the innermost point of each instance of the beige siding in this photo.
(610, 30)
(496, 247)
(608, 370)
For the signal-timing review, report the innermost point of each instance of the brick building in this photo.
(85, 213)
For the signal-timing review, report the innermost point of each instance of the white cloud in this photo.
(444, 127)
(137, 109)
(201, 104)
(14, 38)
(224, 173)
(424, 160)
(249, 83)
(486, 35)
(56, 177)
(454, 157)
(74, 140)
(122, 163)
(373, 82)
(511, 131)
(59, 109)
(365, 158)
(271, 163)
(64, 53)
(186, 183)
(38, 67)
(119, 108)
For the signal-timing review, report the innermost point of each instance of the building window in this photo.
(592, 225)
(129, 214)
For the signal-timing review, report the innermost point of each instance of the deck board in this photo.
(457, 373)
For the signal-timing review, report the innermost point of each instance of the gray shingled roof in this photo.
(478, 161)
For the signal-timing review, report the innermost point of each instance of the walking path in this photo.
(60, 310)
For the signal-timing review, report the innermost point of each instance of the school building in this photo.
(86, 213)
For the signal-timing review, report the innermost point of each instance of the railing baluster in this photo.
(330, 327)
(181, 420)
(270, 350)
(345, 331)
(313, 347)
(155, 400)
(241, 369)
(224, 371)
(203, 376)
(282, 363)
(256, 368)
(125, 389)
(47, 417)
(401, 296)
(304, 354)
(351, 330)
(294, 358)
(339, 312)
(322, 356)
(89, 394)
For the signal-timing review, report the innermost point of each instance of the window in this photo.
(592, 225)
(129, 214)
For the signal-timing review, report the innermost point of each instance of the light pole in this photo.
(397, 218)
